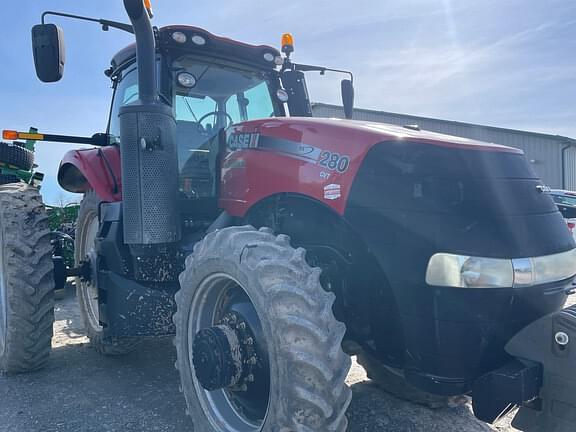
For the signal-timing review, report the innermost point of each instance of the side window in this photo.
(126, 93)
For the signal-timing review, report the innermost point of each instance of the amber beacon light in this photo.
(287, 43)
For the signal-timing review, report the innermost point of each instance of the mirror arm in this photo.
(321, 69)
(104, 23)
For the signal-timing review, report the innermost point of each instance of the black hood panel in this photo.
(434, 199)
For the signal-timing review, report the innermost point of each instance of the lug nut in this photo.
(242, 326)
(252, 360)
(249, 341)
(562, 338)
(250, 378)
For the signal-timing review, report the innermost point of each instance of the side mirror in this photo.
(347, 97)
(48, 50)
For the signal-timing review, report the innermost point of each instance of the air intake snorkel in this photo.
(148, 150)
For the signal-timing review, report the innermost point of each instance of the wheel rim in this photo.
(229, 408)
(90, 288)
(3, 296)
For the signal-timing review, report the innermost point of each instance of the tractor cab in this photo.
(211, 83)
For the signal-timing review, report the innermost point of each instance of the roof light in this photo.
(186, 79)
(282, 95)
(148, 6)
(179, 37)
(199, 40)
(287, 43)
(269, 57)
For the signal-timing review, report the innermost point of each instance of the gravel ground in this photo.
(83, 391)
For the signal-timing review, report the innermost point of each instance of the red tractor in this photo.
(275, 246)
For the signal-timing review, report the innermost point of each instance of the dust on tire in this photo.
(307, 365)
(27, 277)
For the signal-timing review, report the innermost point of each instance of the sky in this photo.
(506, 63)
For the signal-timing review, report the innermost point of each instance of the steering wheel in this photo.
(215, 114)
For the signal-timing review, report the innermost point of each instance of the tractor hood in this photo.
(321, 158)
(360, 135)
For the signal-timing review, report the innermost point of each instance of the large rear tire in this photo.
(26, 280)
(17, 155)
(9, 178)
(296, 381)
(87, 227)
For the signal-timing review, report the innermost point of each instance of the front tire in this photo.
(87, 227)
(26, 280)
(298, 383)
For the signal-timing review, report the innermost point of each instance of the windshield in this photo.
(207, 97)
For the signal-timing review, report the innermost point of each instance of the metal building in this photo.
(553, 156)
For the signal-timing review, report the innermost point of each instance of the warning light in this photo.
(13, 135)
(9, 135)
(287, 43)
(148, 6)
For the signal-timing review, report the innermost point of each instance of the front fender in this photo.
(96, 168)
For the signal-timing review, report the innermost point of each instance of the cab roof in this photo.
(261, 56)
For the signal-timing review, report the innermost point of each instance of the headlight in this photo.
(476, 272)
(554, 267)
(198, 40)
(186, 79)
(282, 95)
(179, 37)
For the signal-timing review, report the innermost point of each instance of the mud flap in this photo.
(551, 342)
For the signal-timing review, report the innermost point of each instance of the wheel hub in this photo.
(224, 354)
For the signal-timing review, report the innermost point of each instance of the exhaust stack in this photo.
(148, 149)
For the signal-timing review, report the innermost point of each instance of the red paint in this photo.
(248, 176)
(99, 177)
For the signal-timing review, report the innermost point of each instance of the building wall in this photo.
(569, 170)
(543, 151)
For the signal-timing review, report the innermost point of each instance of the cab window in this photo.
(126, 93)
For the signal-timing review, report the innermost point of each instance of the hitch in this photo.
(550, 342)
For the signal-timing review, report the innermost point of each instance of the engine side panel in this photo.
(287, 158)
(95, 168)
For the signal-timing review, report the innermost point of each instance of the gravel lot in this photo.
(83, 391)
